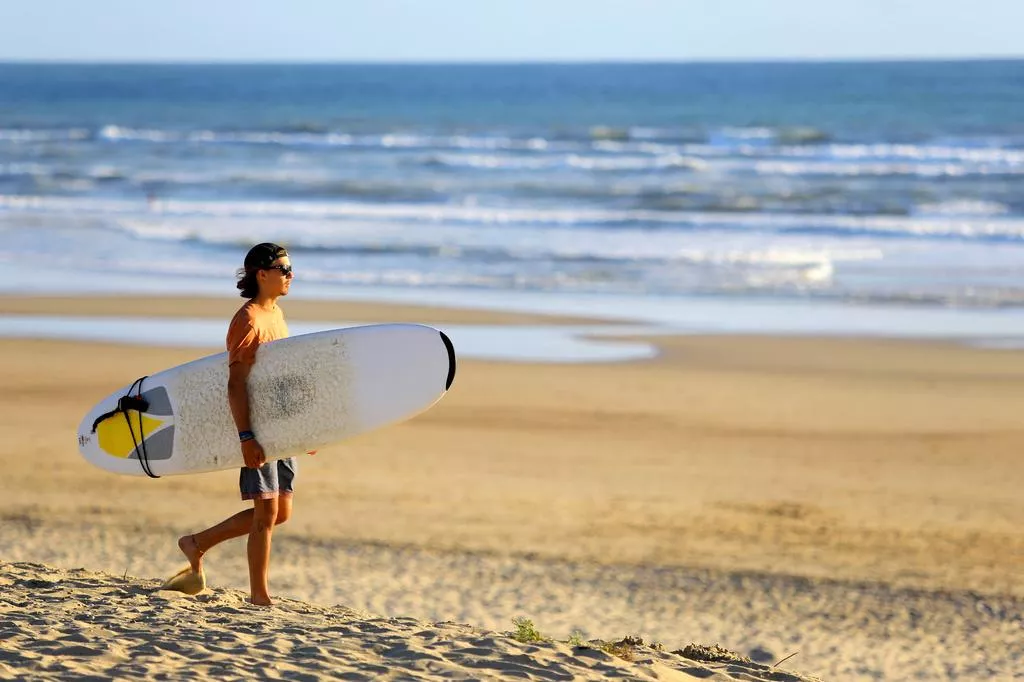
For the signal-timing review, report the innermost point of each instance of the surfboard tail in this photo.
(451, 360)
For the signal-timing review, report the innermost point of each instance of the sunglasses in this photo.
(285, 269)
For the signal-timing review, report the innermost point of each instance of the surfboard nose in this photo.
(451, 360)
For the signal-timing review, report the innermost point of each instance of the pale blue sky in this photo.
(506, 30)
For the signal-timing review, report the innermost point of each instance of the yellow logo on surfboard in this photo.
(123, 435)
(117, 439)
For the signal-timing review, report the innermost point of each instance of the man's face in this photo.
(276, 279)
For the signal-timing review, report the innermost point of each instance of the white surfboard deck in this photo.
(305, 392)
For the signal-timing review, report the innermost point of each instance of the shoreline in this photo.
(496, 334)
(995, 328)
(299, 309)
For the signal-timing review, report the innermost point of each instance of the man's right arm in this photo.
(238, 399)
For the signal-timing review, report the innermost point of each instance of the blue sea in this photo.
(806, 186)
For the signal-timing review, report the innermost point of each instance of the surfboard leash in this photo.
(139, 404)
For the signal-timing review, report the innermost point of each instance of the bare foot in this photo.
(261, 600)
(190, 548)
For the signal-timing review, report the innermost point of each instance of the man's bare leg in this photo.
(195, 546)
(258, 549)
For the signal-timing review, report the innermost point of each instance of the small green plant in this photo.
(576, 639)
(526, 632)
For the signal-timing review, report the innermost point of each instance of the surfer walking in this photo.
(265, 277)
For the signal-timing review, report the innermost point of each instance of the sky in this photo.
(506, 30)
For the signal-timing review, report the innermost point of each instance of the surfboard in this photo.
(305, 392)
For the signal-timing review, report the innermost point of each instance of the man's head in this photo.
(267, 270)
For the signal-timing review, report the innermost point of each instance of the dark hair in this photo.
(258, 258)
(247, 285)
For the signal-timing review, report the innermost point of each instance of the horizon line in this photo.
(885, 59)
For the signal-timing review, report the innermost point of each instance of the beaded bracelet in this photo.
(246, 435)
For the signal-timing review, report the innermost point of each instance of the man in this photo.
(266, 277)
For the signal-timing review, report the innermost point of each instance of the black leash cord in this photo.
(139, 404)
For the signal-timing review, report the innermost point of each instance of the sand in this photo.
(856, 502)
(64, 623)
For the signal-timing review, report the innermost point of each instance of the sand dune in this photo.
(842, 630)
(62, 623)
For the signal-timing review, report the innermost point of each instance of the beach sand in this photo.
(854, 501)
(73, 623)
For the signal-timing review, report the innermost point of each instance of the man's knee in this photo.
(284, 512)
(265, 513)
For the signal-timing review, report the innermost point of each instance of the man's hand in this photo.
(253, 454)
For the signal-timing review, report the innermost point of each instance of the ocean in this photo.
(883, 185)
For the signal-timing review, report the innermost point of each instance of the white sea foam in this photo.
(929, 170)
(759, 134)
(30, 135)
(756, 141)
(389, 254)
(495, 161)
(850, 161)
(619, 162)
(114, 133)
(393, 140)
(962, 208)
(938, 226)
(759, 150)
(637, 163)
(993, 155)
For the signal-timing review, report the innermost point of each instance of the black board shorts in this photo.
(273, 479)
